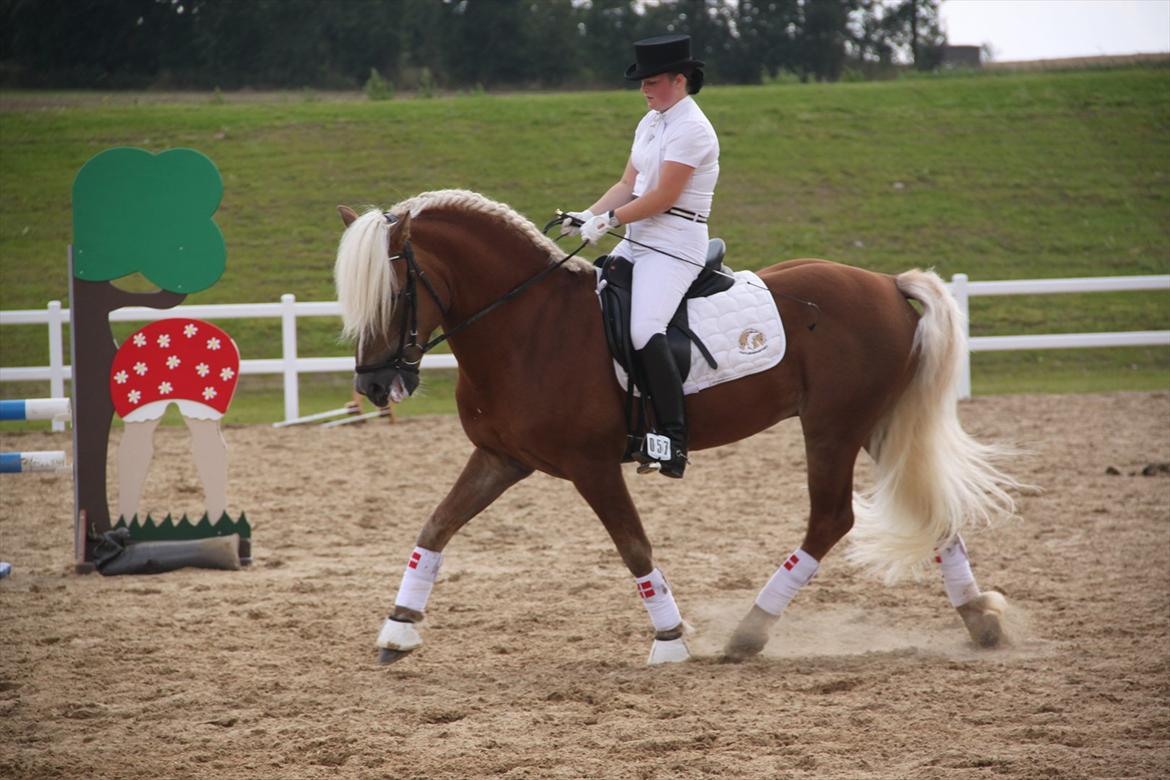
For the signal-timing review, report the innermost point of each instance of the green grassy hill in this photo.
(998, 176)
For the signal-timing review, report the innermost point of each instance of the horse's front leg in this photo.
(485, 477)
(605, 490)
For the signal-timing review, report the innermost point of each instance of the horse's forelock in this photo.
(363, 277)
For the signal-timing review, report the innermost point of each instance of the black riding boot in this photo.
(664, 386)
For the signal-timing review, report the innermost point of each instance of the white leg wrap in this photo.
(659, 601)
(792, 575)
(421, 571)
(956, 572)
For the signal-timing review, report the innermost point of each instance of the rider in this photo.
(663, 199)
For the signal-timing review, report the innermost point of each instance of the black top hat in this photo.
(661, 54)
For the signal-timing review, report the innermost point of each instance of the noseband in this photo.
(414, 272)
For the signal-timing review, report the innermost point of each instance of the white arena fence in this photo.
(291, 366)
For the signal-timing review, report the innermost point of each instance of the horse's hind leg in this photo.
(982, 613)
(606, 492)
(486, 476)
(831, 458)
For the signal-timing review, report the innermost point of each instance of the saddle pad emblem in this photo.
(752, 341)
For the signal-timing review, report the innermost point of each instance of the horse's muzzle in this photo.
(386, 385)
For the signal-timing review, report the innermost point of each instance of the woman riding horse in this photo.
(663, 198)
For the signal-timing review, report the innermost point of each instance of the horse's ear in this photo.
(399, 233)
(348, 215)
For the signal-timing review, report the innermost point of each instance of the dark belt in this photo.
(690, 216)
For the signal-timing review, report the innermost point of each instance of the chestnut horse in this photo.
(536, 391)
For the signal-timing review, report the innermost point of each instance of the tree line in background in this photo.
(457, 44)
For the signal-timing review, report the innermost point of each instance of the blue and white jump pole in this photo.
(34, 409)
(23, 462)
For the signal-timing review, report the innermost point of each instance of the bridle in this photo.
(414, 273)
(398, 361)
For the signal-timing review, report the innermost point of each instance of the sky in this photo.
(1048, 29)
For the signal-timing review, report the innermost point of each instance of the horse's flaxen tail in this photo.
(933, 479)
(365, 281)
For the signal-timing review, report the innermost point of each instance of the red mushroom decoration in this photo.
(189, 362)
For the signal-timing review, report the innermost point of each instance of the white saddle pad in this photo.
(740, 327)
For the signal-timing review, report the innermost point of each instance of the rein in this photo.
(398, 360)
(576, 222)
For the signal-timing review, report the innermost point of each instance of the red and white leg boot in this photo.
(669, 642)
(399, 635)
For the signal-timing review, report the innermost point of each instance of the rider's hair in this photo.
(694, 77)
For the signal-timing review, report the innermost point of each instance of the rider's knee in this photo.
(642, 331)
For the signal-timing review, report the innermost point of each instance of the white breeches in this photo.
(660, 282)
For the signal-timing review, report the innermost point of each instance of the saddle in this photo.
(617, 275)
(614, 290)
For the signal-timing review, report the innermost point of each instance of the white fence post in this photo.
(959, 290)
(56, 358)
(288, 333)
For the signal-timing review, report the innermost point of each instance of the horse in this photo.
(536, 391)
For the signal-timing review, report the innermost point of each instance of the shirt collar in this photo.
(678, 109)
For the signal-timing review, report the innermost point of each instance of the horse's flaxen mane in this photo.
(466, 200)
(366, 284)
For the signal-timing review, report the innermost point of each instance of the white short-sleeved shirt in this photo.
(680, 134)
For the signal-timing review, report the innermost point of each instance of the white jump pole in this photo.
(313, 417)
(357, 418)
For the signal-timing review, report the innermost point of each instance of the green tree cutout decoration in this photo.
(133, 212)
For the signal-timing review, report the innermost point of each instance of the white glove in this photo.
(593, 230)
(571, 226)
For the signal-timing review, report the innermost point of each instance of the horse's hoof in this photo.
(743, 646)
(668, 651)
(398, 635)
(983, 617)
(750, 635)
(387, 657)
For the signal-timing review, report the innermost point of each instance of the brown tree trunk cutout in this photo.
(93, 350)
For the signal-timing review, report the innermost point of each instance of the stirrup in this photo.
(647, 463)
(633, 453)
